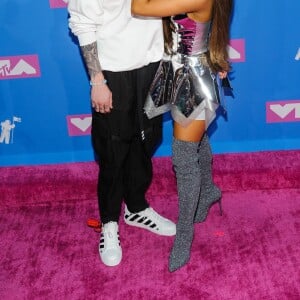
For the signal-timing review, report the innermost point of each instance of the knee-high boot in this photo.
(188, 175)
(210, 193)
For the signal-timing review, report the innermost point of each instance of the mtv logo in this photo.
(236, 50)
(79, 124)
(23, 66)
(283, 111)
(58, 3)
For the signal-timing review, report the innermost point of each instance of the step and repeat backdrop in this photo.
(45, 111)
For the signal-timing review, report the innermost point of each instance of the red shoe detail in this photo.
(94, 223)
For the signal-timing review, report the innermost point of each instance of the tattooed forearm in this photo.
(90, 55)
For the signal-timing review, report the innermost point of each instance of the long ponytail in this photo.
(168, 29)
(219, 38)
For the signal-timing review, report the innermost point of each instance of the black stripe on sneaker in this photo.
(142, 219)
(134, 217)
(147, 222)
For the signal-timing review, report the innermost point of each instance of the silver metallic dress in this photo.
(196, 89)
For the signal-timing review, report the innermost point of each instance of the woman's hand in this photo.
(222, 74)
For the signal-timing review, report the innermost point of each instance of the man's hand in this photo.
(101, 98)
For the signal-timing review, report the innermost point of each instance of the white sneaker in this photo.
(109, 247)
(151, 220)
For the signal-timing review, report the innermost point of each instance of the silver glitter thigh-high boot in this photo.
(185, 162)
(210, 193)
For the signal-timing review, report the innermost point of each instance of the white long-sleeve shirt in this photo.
(124, 42)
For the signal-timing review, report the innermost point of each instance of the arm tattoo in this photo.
(90, 55)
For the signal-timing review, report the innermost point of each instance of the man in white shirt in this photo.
(121, 54)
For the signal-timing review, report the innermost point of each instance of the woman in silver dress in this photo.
(196, 37)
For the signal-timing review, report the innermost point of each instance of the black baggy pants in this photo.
(124, 141)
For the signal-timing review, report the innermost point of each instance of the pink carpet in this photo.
(251, 252)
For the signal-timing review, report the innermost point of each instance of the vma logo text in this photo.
(24, 66)
(283, 111)
(79, 125)
(58, 3)
(236, 50)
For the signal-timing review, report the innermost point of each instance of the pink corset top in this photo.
(193, 36)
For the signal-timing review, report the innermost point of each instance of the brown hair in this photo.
(219, 37)
(168, 28)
